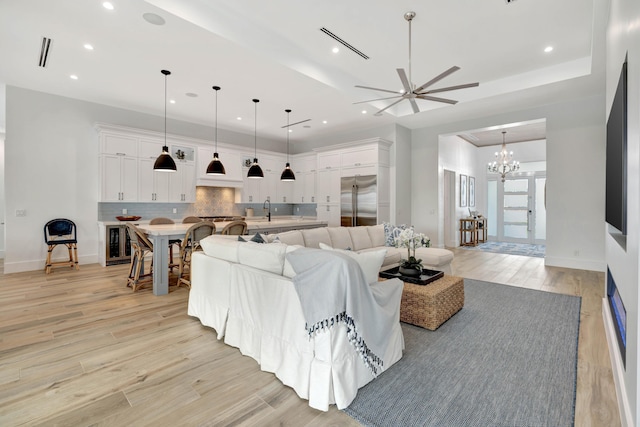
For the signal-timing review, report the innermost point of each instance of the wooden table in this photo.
(473, 231)
(160, 235)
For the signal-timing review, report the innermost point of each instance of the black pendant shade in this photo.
(287, 173)
(164, 162)
(255, 171)
(215, 165)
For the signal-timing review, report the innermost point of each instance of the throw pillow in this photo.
(240, 239)
(258, 238)
(391, 232)
(370, 262)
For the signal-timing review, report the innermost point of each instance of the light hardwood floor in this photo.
(79, 348)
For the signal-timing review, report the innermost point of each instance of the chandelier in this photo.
(504, 163)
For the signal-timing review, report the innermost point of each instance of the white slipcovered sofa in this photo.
(364, 239)
(245, 291)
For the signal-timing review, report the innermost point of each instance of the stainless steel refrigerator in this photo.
(358, 200)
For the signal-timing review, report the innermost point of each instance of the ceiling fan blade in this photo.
(445, 89)
(387, 107)
(437, 78)
(296, 123)
(433, 98)
(378, 99)
(375, 88)
(403, 78)
(414, 105)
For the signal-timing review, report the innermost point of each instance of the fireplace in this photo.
(618, 314)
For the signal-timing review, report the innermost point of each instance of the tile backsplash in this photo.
(210, 201)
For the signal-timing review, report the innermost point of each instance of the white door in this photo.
(521, 213)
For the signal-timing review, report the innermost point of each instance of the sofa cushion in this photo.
(293, 237)
(340, 238)
(360, 238)
(370, 262)
(313, 236)
(269, 257)
(434, 257)
(391, 232)
(376, 234)
(223, 247)
(391, 259)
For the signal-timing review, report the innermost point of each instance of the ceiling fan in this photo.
(411, 92)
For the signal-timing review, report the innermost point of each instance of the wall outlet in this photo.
(276, 209)
(297, 208)
(124, 211)
(175, 210)
(21, 212)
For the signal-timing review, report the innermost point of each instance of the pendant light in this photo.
(215, 166)
(287, 173)
(164, 162)
(255, 171)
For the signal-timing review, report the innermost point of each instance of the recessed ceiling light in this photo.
(548, 49)
(364, 111)
(73, 77)
(88, 46)
(172, 101)
(290, 130)
(152, 18)
(191, 95)
(324, 122)
(107, 5)
(238, 118)
(335, 50)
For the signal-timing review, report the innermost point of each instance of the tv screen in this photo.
(616, 166)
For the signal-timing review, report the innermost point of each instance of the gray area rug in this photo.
(508, 358)
(522, 249)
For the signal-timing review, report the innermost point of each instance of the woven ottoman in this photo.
(429, 306)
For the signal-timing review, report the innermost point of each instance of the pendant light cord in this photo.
(216, 88)
(165, 110)
(288, 111)
(255, 130)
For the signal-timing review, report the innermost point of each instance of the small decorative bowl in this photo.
(128, 218)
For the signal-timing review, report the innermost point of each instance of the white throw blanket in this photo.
(332, 289)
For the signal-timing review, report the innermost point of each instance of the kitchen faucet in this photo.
(268, 210)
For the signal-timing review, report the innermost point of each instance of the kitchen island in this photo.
(107, 254)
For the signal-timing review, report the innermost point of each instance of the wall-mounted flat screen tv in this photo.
(616, 173)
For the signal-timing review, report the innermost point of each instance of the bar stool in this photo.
(177, 242)
(235, 228)
(140, 247)
(61, 231)
(190, 244)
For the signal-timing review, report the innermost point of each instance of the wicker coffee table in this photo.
(429, 306)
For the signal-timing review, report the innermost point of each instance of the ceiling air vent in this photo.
(44, 51)
(509, 1)
(343, 43)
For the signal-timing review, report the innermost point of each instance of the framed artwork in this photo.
(472, 191)
(463, 191)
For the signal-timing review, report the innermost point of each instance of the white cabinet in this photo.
(284, 190)
(329, 213)
(182, 183)
(329, 160)
(309, 187)
(119, 178)
(152, 186)
(328, 186)
(119, 145)
(250, 188)
(304, 188)
(232, 161)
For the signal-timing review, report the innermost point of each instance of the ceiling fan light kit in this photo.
(411, 92)
(164, 162)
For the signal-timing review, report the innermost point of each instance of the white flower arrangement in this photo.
(411, 240)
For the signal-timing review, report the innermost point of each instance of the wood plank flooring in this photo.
(78, 348)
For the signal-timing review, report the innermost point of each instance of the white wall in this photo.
(575, 178)
(623, 37)
(51, 167)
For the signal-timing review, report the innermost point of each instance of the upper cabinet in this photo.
(232, 161)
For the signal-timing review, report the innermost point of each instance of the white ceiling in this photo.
(274, 51)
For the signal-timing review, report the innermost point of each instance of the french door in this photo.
(520, 209)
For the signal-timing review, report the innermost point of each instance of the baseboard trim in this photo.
(616, 366)
(34, 265)
(591, 265)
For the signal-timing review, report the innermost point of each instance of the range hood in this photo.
(217, 181)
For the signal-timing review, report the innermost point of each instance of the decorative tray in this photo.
(128, 218)
(426, 277)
